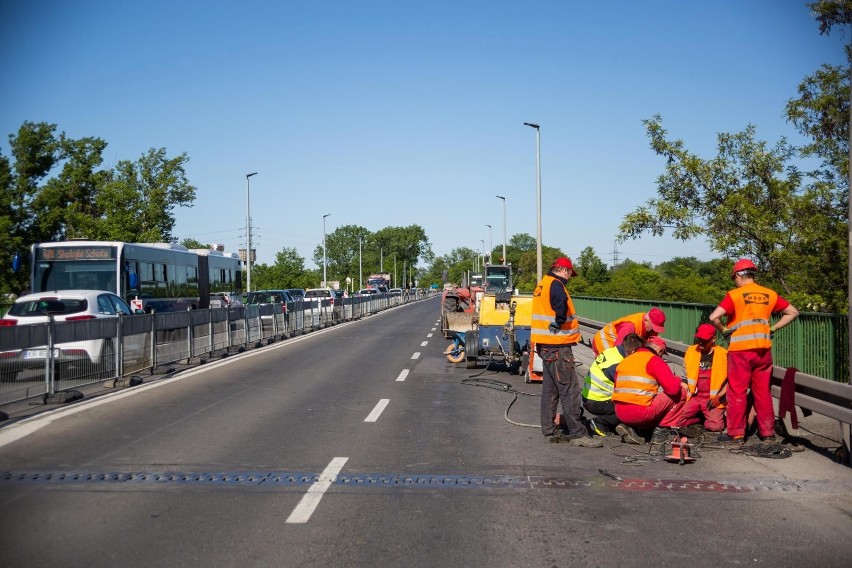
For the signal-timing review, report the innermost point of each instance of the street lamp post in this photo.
(360, 269)
(324, 262)
(537, 194)
(504, 227)
(248, 231)
(490, 242)
(482, 267)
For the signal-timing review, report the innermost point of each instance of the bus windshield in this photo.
(78, 275)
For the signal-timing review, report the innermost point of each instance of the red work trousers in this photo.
(749, 369)
(663, 411)
(696, 408)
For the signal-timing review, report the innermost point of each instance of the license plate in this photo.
(39, 353)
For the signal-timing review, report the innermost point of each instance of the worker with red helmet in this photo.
(748, 308)
(706, 366)
(643, 324)
(647, 394)
(554, 330)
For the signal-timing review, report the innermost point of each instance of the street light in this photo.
(360, 269)
(490, 242)
(504, 227)
(537, 194)
(324, 279)
(483, 254)
(248, 232)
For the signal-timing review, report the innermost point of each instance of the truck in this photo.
(381, 280)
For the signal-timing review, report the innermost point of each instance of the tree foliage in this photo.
(288, 271)
(56, 188)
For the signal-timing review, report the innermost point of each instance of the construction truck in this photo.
(491, 322)
(380, 281)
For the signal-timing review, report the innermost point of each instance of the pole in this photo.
(324, 262)
(360, 269)
(505, 260)
(248, 231)
(482, 266)
(537, 195)
(490, 242)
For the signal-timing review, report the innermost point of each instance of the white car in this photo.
(64, 306)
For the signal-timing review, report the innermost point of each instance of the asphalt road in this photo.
(361, 445)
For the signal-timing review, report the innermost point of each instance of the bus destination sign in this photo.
(76, 253)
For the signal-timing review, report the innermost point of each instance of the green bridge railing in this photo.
(815, 343)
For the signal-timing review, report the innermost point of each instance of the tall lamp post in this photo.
(360, 269)
(537, 194)
(248, 231)
(504, 227)
(482, 268)
(490, 242)
(324, 262)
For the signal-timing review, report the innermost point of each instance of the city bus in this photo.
(161, 277)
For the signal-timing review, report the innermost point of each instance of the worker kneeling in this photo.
(647, 394)
(598, 387)
(706, 366)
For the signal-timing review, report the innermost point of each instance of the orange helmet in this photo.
(743, 264)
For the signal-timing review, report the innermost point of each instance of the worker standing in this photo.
(706, 367)
(748, 308)
(597, 391)
(647, 394)
(643, 324)
(555, 330)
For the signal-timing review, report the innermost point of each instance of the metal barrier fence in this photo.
(41, 360)
(815, 343)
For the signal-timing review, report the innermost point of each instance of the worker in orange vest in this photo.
(647, 394)
(555, 329)
(706, 366)
(643, 324)
(748, 308)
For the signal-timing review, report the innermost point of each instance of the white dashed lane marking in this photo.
(424, 344)
(377, 411)
(416, 355)
(402, 376)
(311, 499)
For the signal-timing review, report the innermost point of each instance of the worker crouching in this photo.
(647, 394)
(706, 366)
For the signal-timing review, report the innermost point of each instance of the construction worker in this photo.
(555, 330)
(597, 391)
(643, 324)
(748, 308)
(647, 394)
(706, 369)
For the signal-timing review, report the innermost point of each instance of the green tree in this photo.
(288, 271)
(192, 243)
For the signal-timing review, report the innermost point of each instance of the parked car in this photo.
(68, 305)
(268, 297)
(368, 292)
(318, 294)
(297, 293)
(225, 300)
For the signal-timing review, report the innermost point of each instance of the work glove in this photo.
(713, 402)
(553, 327)
(727, 333)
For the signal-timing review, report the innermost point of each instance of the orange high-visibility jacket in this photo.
(633, 384)
(718, 371)
(753, 306)
(543, 315)
(605, 338)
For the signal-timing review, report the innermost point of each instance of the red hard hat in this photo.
(744, 264)
(564, 262)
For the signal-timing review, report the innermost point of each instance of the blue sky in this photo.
(391, 113)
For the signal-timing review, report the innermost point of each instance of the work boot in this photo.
(585, 442)
(728, 439)
(771, 439)
(555, 438)
(629, 435)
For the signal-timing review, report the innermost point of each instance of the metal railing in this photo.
(40, 360)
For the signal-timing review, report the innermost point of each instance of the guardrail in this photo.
(52, 359)
(819, 395)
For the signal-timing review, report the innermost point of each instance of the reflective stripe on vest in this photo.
(718, 370)
(543, 315)
(633, 384)
(605, 338)
(753, 306)
(598, 387)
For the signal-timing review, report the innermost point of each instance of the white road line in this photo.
(433, 329)
(416, 355)
(374, 415)
(424, 343)
(428, 335)
(311, 499)
(402, 375)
